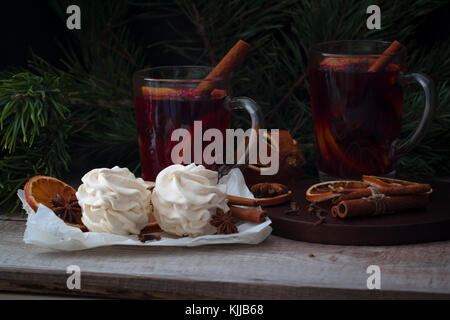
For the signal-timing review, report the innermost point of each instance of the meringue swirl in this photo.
(114, 201)
(185, 198)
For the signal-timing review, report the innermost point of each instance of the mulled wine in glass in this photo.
(357, 112)
(166, 99)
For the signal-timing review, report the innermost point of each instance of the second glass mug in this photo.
(357, 113)
(165, 100)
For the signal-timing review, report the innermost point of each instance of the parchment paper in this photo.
(45, 229)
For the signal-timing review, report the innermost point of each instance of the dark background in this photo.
(29, 25)
(32, 25)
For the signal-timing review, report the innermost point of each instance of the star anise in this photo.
(224, 222)
(67, 209)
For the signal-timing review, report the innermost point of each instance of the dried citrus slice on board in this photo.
(381, 182)
(331, 189)
(384, 182)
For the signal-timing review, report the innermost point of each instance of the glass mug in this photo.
(166, 100)
(357, 113)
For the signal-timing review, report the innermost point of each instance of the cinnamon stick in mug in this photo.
(386, 57)
(224, 68)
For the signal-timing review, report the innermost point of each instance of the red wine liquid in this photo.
(158, 116)
(356, 117)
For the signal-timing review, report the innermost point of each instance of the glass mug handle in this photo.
(256, 117)
(402, 147)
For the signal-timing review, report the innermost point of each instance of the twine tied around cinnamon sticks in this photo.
(379, 199)
(373, 201)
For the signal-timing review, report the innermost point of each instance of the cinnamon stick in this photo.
(263, 202)
(386, 57)
(334, 211)
(367, 207)
(240, 201)
(231, 60)
(412, 189)
(251, 215)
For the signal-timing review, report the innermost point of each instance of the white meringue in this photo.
(185, 198)
(114, 201)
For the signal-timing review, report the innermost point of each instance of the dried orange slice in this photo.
(52, 192)
(381, 182)
(43, 189)
(332, 189)
(159, 92)
(340, 63)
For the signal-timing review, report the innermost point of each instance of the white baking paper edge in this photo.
(45, 229)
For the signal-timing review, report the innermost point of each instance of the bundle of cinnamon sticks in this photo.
(372, 201)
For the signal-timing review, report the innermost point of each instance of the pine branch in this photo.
(50, 115)
(34, 126)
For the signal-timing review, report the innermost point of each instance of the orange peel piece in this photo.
(159, 92)
(339, 63)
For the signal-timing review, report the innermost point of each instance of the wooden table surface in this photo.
(276, 269)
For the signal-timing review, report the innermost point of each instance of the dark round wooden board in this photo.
(424, 225)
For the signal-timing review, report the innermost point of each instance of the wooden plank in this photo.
(39, 296)
(276, 269)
